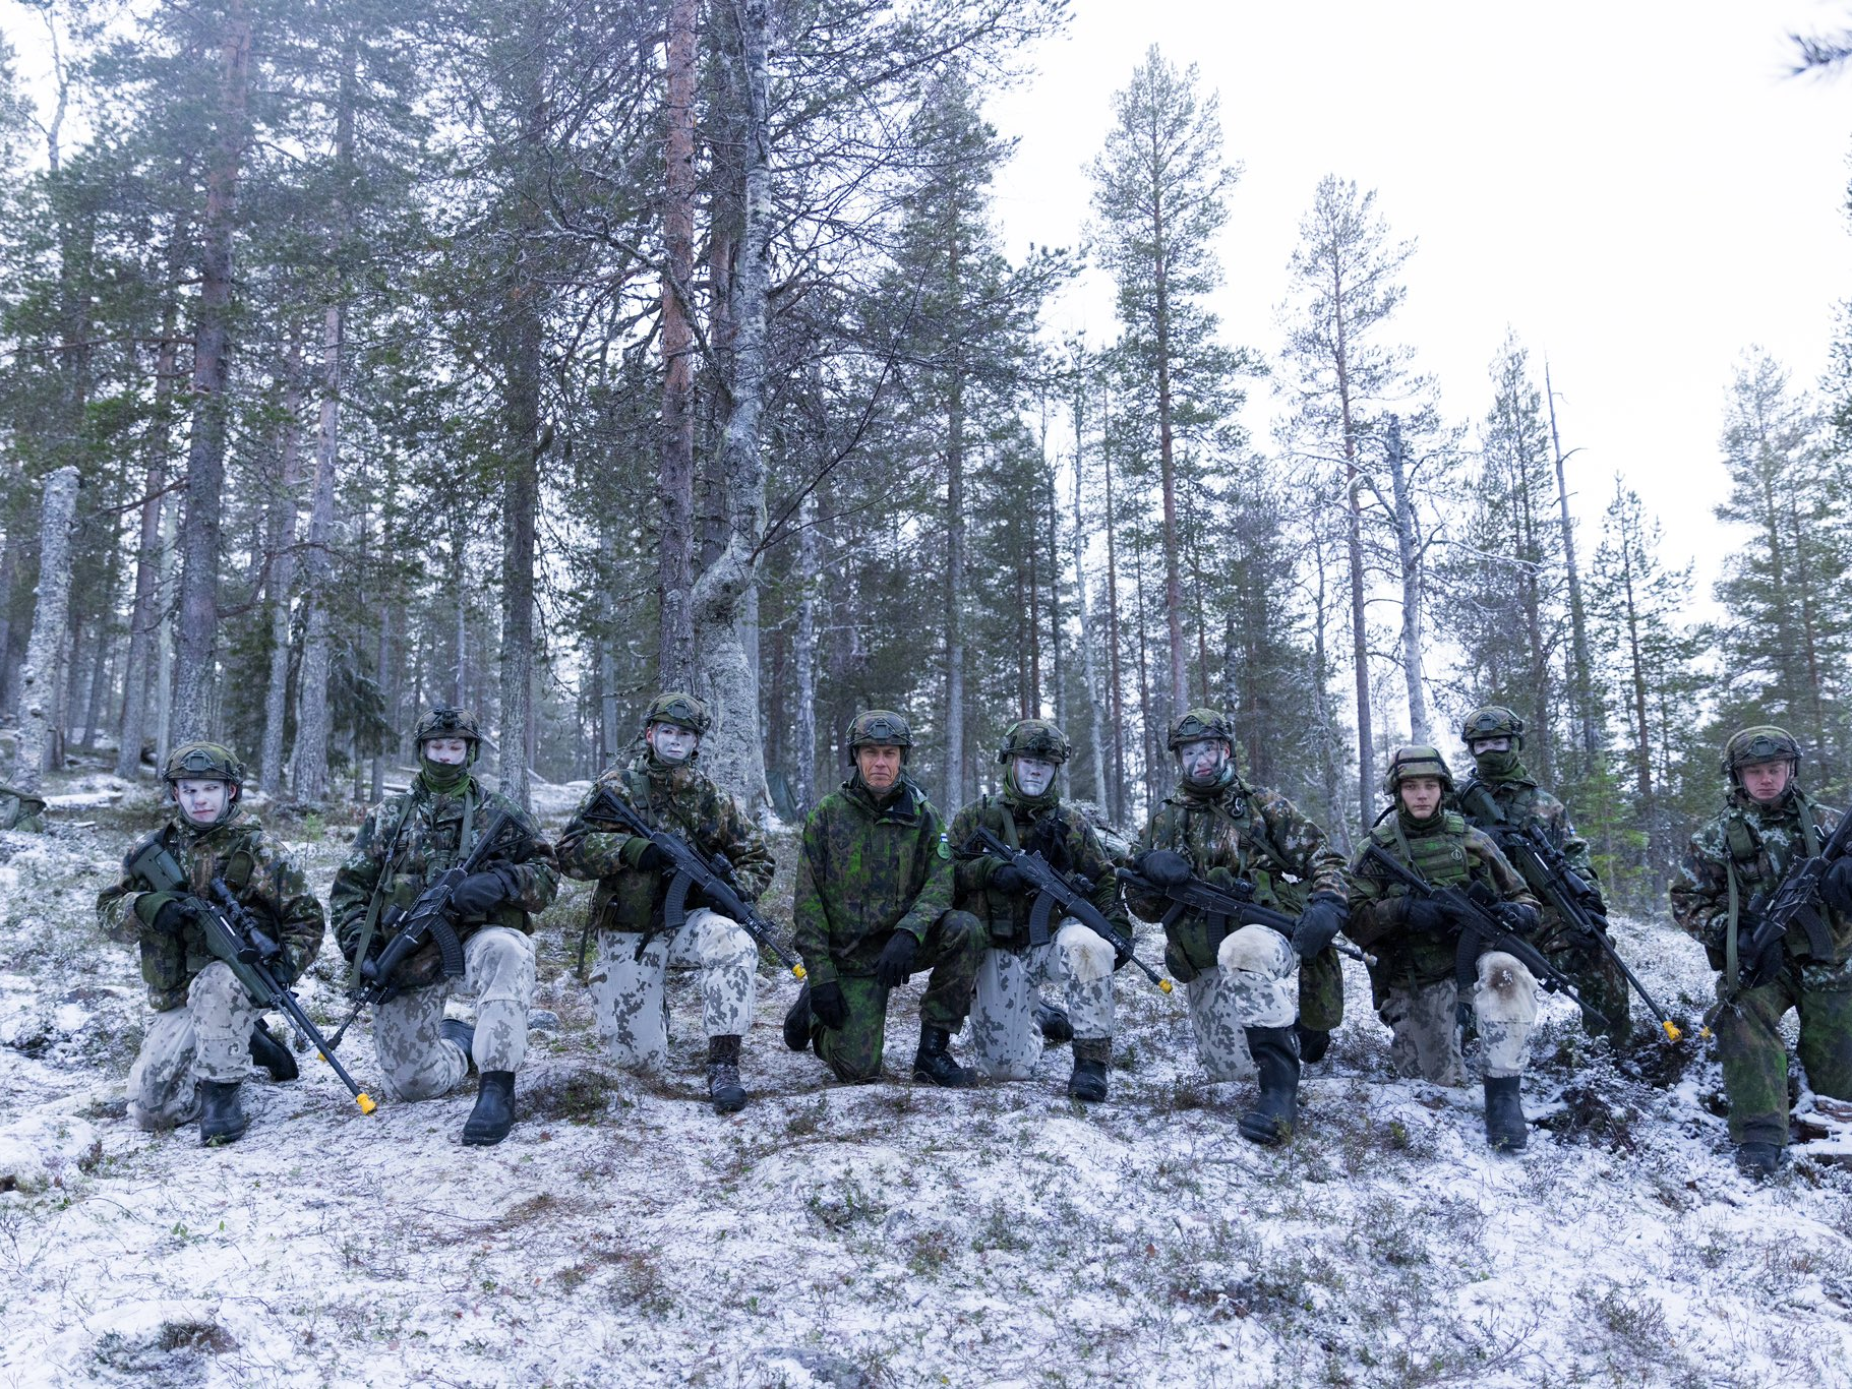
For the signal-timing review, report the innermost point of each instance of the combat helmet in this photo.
(681, 710)
(1197, 724)
(1492, 721)
(203, 762)
(446, 722)
(1413, 760)
(881, 727)
(1761, 742)
(1035, 738)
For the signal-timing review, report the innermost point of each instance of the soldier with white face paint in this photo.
(1030, 816)
(633, 949)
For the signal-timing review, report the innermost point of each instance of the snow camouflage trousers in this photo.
(206, 1038)
(1251, 986)
(1426, 1037)
(1002, 1029)
(1755, 1059)
(953, 946)
(1321, 991)
(418, 1062)
(631, 1006)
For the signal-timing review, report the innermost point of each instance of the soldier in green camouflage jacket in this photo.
(21, 810)
(873, 906)
(1734, 863)
(1502, 790)
(406, 842)
(1029, 815)
(207, 1029)
(1242, 1005)
(633, 948)
(1416, 943)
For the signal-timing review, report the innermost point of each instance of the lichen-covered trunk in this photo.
(676, 469)
(38, 678)
(804, 656)
(1408, 553)
(281, 539)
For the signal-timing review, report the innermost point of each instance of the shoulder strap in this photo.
(376, 900)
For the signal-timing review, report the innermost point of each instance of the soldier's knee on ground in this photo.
(1507, 991)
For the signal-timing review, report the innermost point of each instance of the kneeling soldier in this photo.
(1416, 942)
(407, 842)
(207, 1028)
(633, 949)
(873, 906)
(1029, 815)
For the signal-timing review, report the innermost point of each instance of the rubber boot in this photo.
(221, 1118)
(1054, 1024)
(1313, 1043)
(1276, 1057)
(797, 1021)
(464, 1035)
(723, 1075)
(1759, 1160)
(1506, 1129)
(1088, 1083)
(933, 1061)
(269, 1052)
(493, 1116)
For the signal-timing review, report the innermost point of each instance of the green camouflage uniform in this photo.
(21, 810)
(406, 841)
(1754, 845)
(627, 909)
(203, 1014)
(870, 868)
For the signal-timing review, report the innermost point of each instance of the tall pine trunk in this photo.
(1408, 553)
(675, 479)
(281, 541)
(50, 617)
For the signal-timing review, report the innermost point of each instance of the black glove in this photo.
(649, 858)
(896, 962)
(1836, 886)
(1755, 968)
(1520, 918)
(1223, 878)
(828, 1006)
(1007, 878)
(1425, 914)
(481, 893)
(1164, 867)
(173, 917)
(1324, 916)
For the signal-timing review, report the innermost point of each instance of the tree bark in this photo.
(308, 772)
(675, 571)
(1582, 684)
(50, 617)
(804, 656)
(281, 573)
(1408, 552)
(1089, 655)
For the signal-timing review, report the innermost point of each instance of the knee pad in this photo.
(1088, 960)
(1256, 950)
(1507, 990)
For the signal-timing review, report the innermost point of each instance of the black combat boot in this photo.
(493, 1116)
(1054, 1024)
(1313, 1043)
(1759, 1160)
(933, 1061)
(221, 1118)
(1506, 1128)
(1276, 1057)
(1089, 1079)
(797, 1021)
(269, 1052)
(723, 1075)
(464, 1035)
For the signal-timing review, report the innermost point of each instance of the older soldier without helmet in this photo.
(406, 842)
(1416, 943)
(1733, 864)
(1242, 1004)
(207, 1028)
(633, 950)
(873, 906)
(1494, 736)
(1029, 815)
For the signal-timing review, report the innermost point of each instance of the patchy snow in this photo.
(889, 1234)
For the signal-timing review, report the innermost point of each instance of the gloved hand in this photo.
(1425, 914)
(1836, 886)
(1520, 918)
(1324, 916)
(173, 916)
(1164, 867)
(1221, 877)
(1754, 969)
(481, 893)
(828, 1006)
(1007, 878)
(642, 855)
(896, 962)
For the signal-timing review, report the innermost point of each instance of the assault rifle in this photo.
(1226, 908)
(1796, 901)
(234, 936)
(427, 920)
(1054, 892)
(1546, 871)
(1480, 930)
(692, 872)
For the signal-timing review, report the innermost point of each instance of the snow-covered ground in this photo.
(882, 1235)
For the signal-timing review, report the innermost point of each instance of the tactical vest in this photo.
(1440, 856)
(169, 963)
(1256, 857)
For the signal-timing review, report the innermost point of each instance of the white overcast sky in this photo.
(1638, 190)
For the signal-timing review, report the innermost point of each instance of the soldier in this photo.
(1416, 943)
(1029, 815)
(1733, 865)
(873, 906)
(1217, 827)
(207, 1028)
(21, 810)
(633, 952)
(406, 842)
(1494, 735)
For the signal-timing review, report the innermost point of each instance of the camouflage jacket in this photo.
(867, 869)
(681, 800)
(1448, 853)
(1757, 844)
(409, 839)
(21, 810)
(1520, 799)
(1060, 833)
(259, 875)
